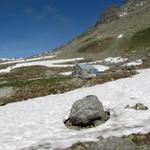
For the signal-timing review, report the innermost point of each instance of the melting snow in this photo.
(101, 68)
(134, 63)
(47, 63)
(66, 73)
(123, 14)
(115, 60)
(40, 120)
(21, 60)
(120, 36)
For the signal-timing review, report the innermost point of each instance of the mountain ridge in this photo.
(102, 40)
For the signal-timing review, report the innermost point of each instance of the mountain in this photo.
(120, 31)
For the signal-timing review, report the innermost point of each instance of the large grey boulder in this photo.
(87, 112)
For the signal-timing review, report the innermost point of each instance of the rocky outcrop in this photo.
(110, 14)
(6, 92)
(76, 82)
(111, 143)
(131, 5)
(87, 112)
(115, 12)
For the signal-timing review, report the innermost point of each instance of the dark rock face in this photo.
(113, 12)
(111, 143)
(87, 112)
(110, 14)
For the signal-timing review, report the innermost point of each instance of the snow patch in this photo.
(21, 60)
(115, 60)
(7, 59)
(47, 63)
(123, 14)
(66, 73)
(101, 68)
(99, 37)
(120, 36)
(24, 124)
(134, 63)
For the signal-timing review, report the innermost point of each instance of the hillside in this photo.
(120, 31)
(37, 94)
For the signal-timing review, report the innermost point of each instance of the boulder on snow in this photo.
(87, 112)
(138, 106)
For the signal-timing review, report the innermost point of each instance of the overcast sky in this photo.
(28, 27)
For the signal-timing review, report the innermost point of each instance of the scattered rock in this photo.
(140, 139)
(87, 112)
(111, 143)
(77, 82)
(109, 15)
(5, 93)
(40, 146)
(138, 106)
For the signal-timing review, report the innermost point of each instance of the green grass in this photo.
(88, 39)
(138, 42)
(35, 88)
(4, 66)
(25, 73)
(140, 39)
(96, 46)
(38, 82)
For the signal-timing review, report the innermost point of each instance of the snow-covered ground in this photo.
(134, 63)
(7, 59)
(40, 120)
(123, 14)
(21, 60)
(101, 68)
(115, 60)
(66, 73)
(47, 63)
(111, 60)
(120, 36)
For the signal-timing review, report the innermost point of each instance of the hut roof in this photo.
(86, 67)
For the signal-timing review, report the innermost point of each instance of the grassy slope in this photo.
(101, 41)
(140, 39)
(31, 72)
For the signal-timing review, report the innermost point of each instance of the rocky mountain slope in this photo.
(120, 31)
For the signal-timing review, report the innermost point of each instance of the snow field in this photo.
(28, 123)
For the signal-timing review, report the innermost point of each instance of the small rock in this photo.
(138, 106)
(141, 106)
(77, 82)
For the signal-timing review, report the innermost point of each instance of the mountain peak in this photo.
(110, 14)
(114, 12)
